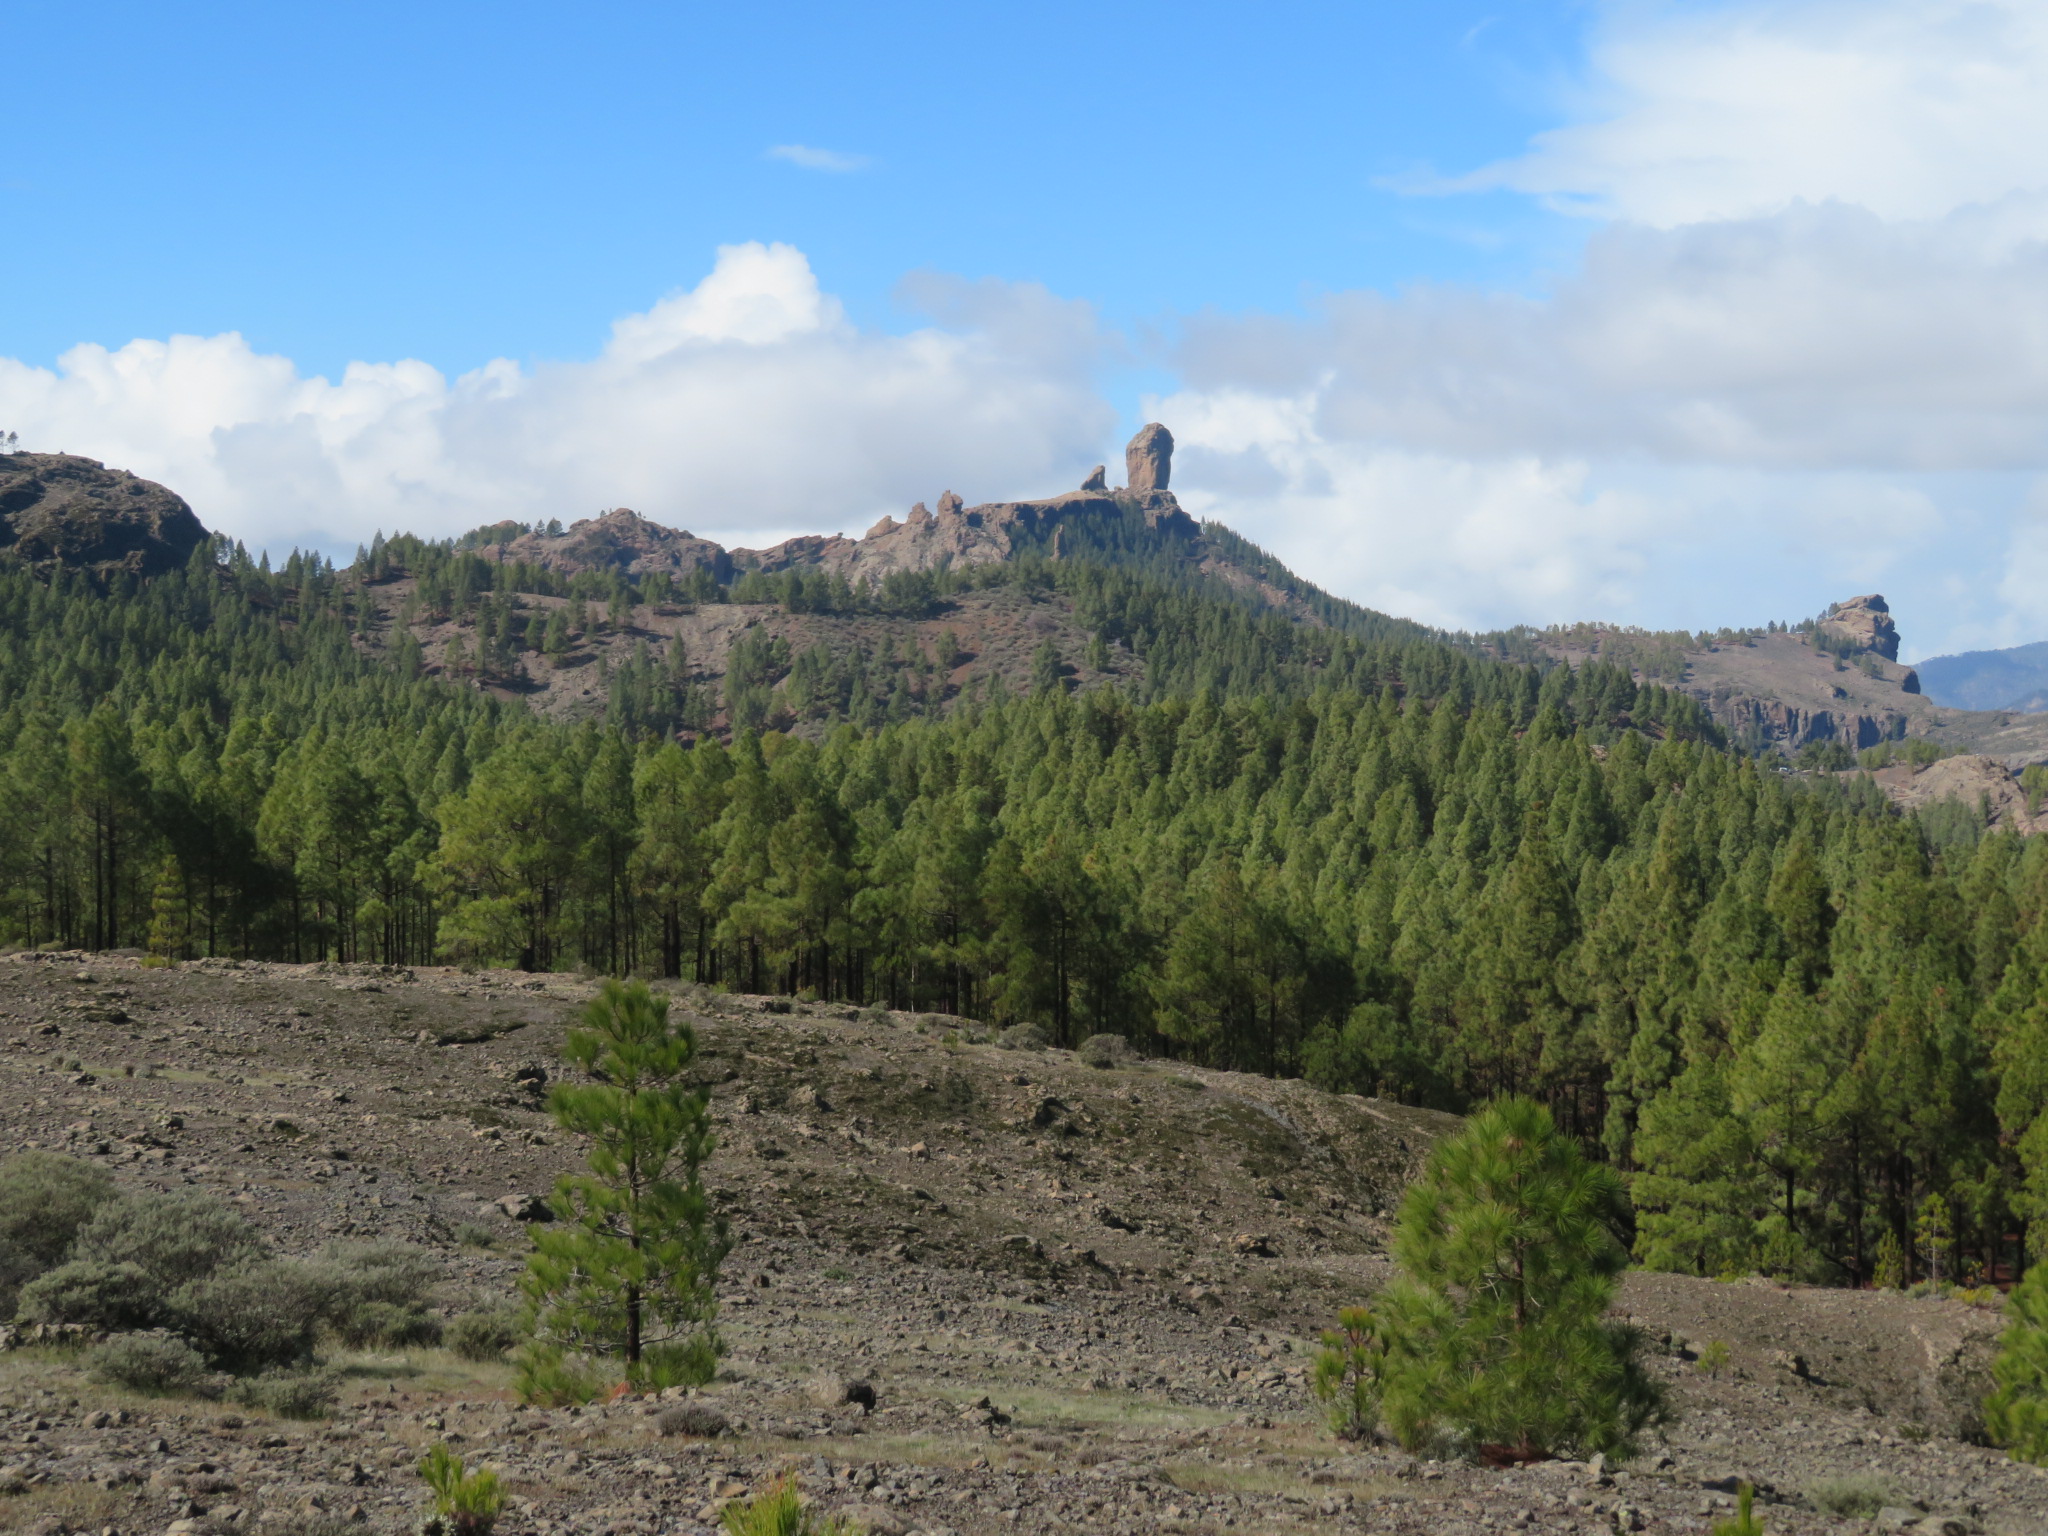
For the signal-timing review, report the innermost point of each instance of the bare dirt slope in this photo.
(1084, 1297)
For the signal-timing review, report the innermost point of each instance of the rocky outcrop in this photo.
(58, 509)
(622, 540)
(1148, 460)
(956, 534)
(1866, 622)
(1746, 717)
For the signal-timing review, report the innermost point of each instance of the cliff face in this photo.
(56, 508)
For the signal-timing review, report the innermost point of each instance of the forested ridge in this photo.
(1807, 1027)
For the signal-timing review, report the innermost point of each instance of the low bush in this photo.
(154, 1364)
(94, 1293)
(376, 1293)
(551, 1378)
(288, 1394)
(690, 1362)
(1853, 1498)
(1106, 1051)
(173, 1239)
(693, 1421)
(256, 1316)
(1024, 1037)
(44, 1199)
(485, 1334)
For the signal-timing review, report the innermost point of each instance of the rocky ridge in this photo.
(955, 534)
(59, 509)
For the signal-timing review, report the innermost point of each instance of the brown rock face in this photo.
(1148, 460)
(1867, 621)
(58, 508)
(1098, 479)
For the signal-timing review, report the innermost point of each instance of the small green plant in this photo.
(1853, 1498)
(779, 1510)
(1888, 1265)
(1745, 1522)
(149, 1364)
(836, 1273)
(474, 1234)
(1713, 1359)
(1348, 1373)
(466, 1503)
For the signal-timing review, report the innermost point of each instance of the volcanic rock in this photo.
(1148, 459)
(61, 509)
(1867, 623)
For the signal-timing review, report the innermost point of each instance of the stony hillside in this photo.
(58, 509)
(1082, 1294)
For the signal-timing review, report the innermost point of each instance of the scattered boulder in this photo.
(828, 1391)
(1098, 479)
(525, 1207)
(1253, 1245)
(1148, 459)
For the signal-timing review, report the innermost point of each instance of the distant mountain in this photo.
(2015, 679)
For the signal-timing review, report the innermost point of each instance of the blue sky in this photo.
(1667, 313)
(461, 182)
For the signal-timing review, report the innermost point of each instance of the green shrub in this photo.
(1024, 1037)
(112, 1297)
(778, 1510)
(1498, 1339)
(376, 1293)
(465, 1503)
(485, 1334)
(550, 1378)
(288, 1394)
(1350, 1370)
(44, 1199)
(1106, 1051)
(1713, 1359)
(253, 1317)
(173, 1239)
(1853, 1498)
(690, 1362)
(149, 1363)
(2016, 1413)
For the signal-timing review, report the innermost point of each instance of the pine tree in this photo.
(630, 1268)
(1509, 1259)
(2016, 1414)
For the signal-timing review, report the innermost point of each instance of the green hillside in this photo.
(1350, 849)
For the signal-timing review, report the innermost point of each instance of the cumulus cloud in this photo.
(1820, 337)
(746, 407)
(1910, 108)
(810, 158)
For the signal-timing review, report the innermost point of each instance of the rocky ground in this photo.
(1083, 1296)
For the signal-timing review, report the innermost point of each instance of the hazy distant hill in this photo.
(2015, 679)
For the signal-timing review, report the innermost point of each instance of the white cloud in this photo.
(813, 159)
(1817, 338)
(745, 408)
(1910, 108)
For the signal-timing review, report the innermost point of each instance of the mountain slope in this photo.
(2013, 679)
